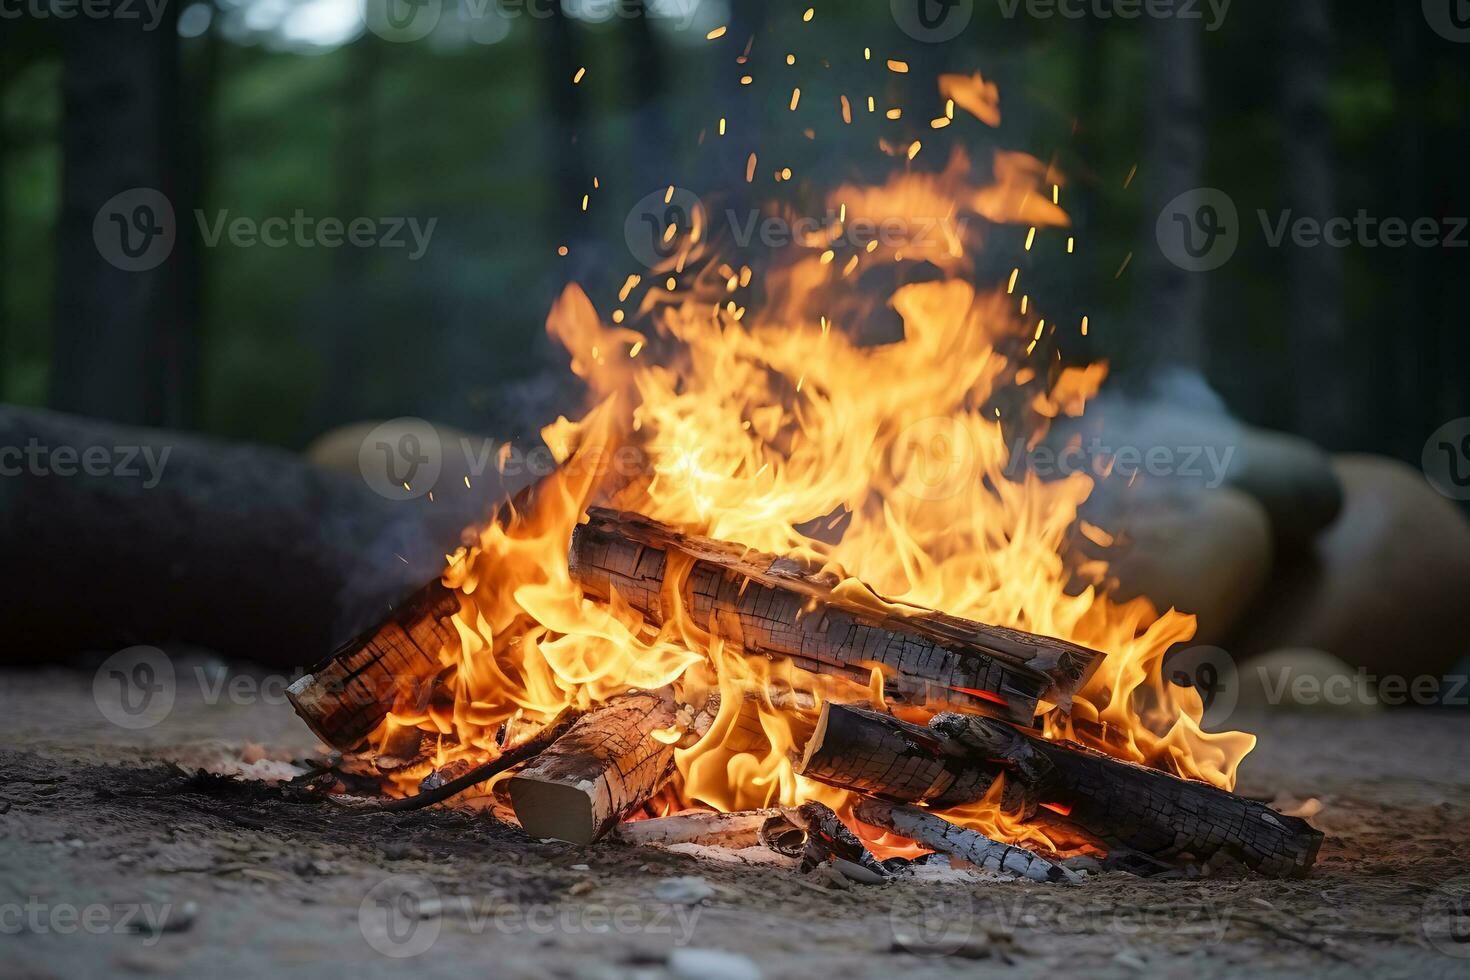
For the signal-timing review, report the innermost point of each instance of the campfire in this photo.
(789, 584)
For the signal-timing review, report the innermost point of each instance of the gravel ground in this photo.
(112, 863)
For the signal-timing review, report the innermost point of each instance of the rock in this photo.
(447, 458)
(1201, 447)
(1207, 552)
(691, 963)
(1305, 681)
(1384, 588)
(689, 890)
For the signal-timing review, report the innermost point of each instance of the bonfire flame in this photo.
(887, 464)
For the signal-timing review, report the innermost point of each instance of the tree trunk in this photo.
(124, 344)
(1314, 311)
(1172, 300)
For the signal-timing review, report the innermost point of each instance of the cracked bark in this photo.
(1118, 802)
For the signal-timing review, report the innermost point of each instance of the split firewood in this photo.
(925, 828)
(766, 605)
(612, 761)
(1118, 802)
(785, 608)
(397, 662)
(814, 834)
(735, 830)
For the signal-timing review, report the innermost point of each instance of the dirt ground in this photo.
(112, 863)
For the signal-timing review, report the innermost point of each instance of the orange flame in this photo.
(773, 427)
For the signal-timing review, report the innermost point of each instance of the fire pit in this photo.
(780, 567)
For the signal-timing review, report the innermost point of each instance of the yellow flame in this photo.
(769, 425)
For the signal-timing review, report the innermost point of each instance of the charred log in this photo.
(608, 764)
(346, 697)
(1118, 802)
(784, 608)
(925, 828)
(814, 834)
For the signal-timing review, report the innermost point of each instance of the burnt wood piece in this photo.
(935, 832)
(735, 830)
(1118, 802)
(346, 697)
(608, 765)
(815, 834)
(783, 608)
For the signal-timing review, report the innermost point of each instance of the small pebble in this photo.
(712, 964)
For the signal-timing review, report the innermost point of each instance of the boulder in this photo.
(1384, 588)
(1306, 681)
(1206, 552)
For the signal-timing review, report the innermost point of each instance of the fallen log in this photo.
(935, 832)
(609, 764)
(1118, 802)
(783, 608)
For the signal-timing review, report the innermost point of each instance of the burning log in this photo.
(348, 695)
(781, 607)
(816, 835)
(1119, 802)
(932, 831)
(609, 764)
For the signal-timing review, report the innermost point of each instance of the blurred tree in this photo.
(1172, 301)
(1314, 308)
(123, 341)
